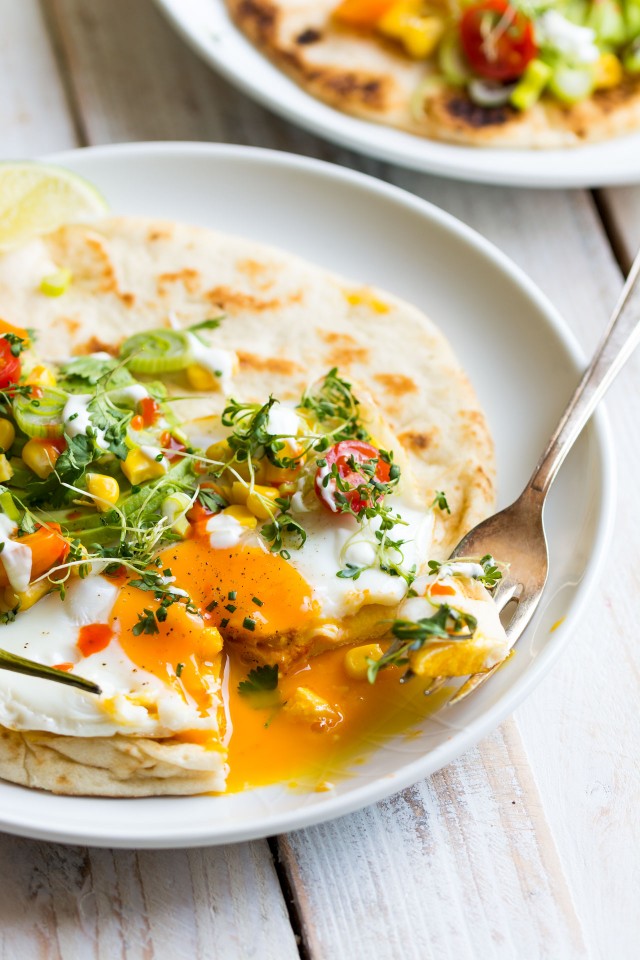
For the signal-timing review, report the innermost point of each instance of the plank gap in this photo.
(289, 897)
(613, 230)
(53, 25)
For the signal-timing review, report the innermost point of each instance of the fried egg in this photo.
(145, 691)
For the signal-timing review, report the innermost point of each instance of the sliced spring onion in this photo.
(41, 416)
(531, 84)
(55, 284)
(607, 20)
(487, 93)
(9, 661)
(631, 59)
(157, 351)
(8, 506)
(452, 61)
(572, 84)
(429, 87)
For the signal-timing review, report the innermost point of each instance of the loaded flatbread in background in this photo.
(527, 74)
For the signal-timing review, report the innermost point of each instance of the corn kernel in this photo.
(256, 501)
(41, 376)
(202, 379)
(7, 433)
(174, 508)
(308, 706)
(40, 456)
(608, 71)
(239, 492)
(242, 515)
(219, 451)
(6, 470)
(355, 660)
(137, 467)
(25, 598)
(105, 489)
(277, 475)
(365, 297)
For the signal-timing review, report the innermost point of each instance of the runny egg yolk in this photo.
(240, 589)
(184, 652)
(243, 589)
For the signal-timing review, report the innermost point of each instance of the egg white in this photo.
(133, 702)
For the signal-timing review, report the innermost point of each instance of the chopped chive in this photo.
(211, 606)
(179, 669)
(248, 623)
(233, 594)
(231, 607)
(224, 623)
(167, 572)
(258, 602)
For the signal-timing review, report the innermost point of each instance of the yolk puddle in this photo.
(267, 746)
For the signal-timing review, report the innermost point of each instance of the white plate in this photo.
(509, 339)
(206, 26)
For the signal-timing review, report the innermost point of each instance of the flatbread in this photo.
(368, 77)
(289, 322)
(109, 766)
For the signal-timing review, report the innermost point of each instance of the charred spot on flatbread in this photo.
(308, 36)
(462, 108)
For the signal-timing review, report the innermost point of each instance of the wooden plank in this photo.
(33, 112)
(71, 902)
(621, 206)
(116, 48)
(62, 903)
(460, 866)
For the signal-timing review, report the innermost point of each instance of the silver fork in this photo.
(516, 535)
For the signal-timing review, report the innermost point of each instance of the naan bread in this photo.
(369, 77)
(289, 322)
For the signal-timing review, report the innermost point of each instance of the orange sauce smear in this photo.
(266, 746)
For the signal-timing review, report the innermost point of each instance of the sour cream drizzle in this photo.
(15, 557)
(76, 419)
(218, 362)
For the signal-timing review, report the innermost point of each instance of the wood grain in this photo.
(33, 112)
(451, 867)
(621, 206)
(460, 866)
(63, 903)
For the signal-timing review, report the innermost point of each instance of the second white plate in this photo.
(207, 28)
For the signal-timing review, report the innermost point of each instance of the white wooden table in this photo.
(529, 846)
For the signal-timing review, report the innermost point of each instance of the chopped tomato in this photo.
(498, 39)
(362, 13)
(10, 366)
(353, 482)
(173, 448)
(137, 422)
(48, 549)
(149, 411)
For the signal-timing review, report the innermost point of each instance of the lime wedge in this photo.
(36, 198)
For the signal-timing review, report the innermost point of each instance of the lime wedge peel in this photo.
(36, 198)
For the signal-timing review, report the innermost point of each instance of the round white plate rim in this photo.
(329, 807)
(610, 163)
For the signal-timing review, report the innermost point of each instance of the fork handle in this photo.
(618, 343)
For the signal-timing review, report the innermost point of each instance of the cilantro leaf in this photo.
(260, 680)
(211, 500)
